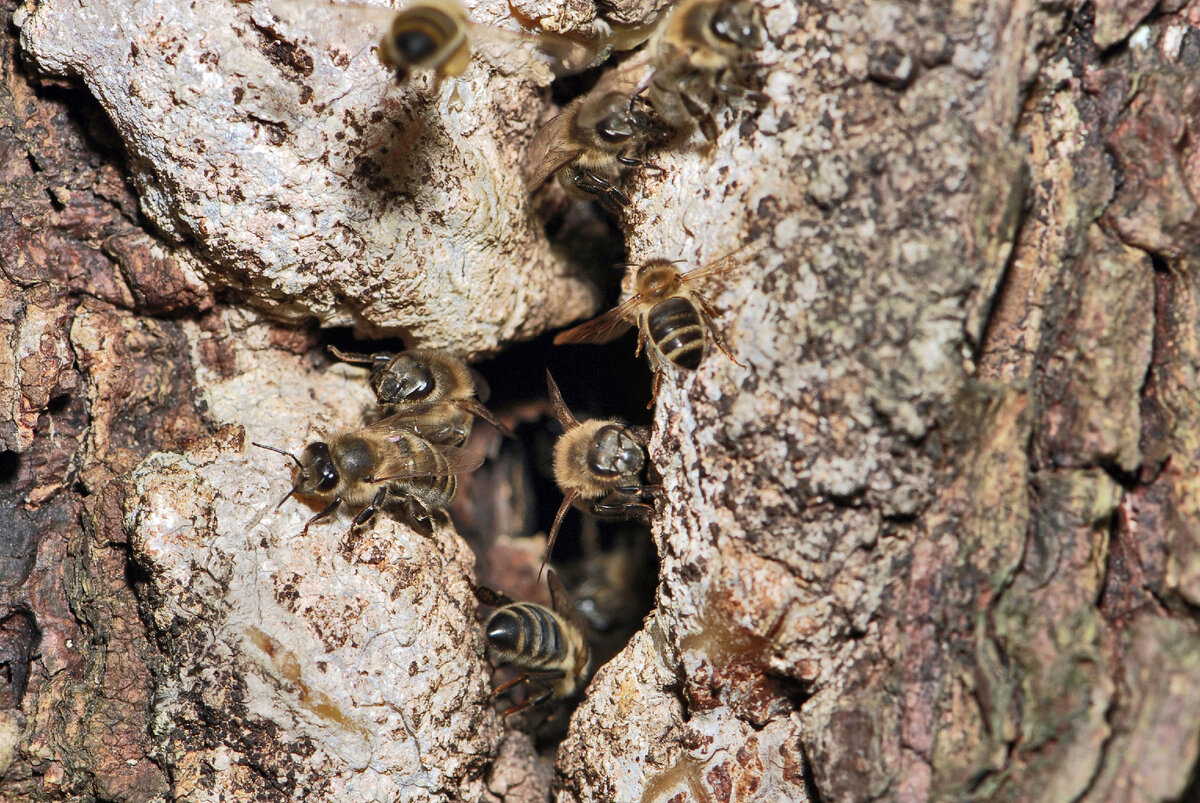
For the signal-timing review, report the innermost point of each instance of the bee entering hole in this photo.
(608, 565)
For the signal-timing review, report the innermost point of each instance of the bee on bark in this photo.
(439, 36)
(670, 315)
(429, 392)
(703, 54)
(366, 468)
(600, 466)
(588, 146)
(550, 644)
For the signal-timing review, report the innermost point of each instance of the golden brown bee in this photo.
(703, 53)
(591, 142)
(439, 36)
(600, 467)
(367, 467)
(431, 393)
(671, 316)
(551, 645)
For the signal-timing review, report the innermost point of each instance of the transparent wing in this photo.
(562, 604)
(457, 461)
(547, 153)
(604, 329)
(562, 55)
(731, 261)
(355, 21)
(631, 77)
(476, 409)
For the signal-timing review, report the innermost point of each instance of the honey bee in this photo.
(671, 317)
(429, 392)
(702, 53)
(439, 36)
(599, 465)
(550, 644)
(591, 142)
(367, 467)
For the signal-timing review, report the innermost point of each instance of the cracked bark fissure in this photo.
(938, 538)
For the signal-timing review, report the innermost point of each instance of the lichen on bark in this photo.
(933, 536)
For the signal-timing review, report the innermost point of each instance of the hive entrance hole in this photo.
(609, 567)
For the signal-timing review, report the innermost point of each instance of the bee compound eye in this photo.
(317, 467)
(615, 128)
(613, 453)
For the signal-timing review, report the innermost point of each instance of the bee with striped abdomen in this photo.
(670, 315)
(365, 468)
(429, 392)
(550, 644)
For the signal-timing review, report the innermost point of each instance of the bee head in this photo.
(615, 453)
(737, 22)
(316, 472)
(404, 380)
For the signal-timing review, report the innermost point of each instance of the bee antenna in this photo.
(280, 451)
(286, 497)
(558, 520)
(346, 356)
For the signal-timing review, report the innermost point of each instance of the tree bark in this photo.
(934, 536)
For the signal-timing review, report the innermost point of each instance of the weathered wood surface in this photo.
(939, 539)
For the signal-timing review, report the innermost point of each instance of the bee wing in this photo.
(604, 329)
(562, 55)
(630, 78)
(547, 153)
(326, 18)
(723, 264)
(562, 604)
(457, 461)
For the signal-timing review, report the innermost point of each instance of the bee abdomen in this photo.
(678, 332)
(526, 634)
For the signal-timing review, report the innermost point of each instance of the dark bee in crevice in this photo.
(429, 392)
(600, 465)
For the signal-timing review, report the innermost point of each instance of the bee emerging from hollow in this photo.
(440, 37)
(550, 644)
(703, 54)
(670, 315)
(600, 465)
(366, 468)
(429, 392)
(588, 146)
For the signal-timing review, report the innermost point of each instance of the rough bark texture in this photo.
(936, 538)
(278, 160)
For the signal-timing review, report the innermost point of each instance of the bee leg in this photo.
(641, 341)
(540, 682)
(633, 161)
(327, 510)
(367, 512)
(607, 191)
(654, 388)
(720, 341)
(491, 597)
